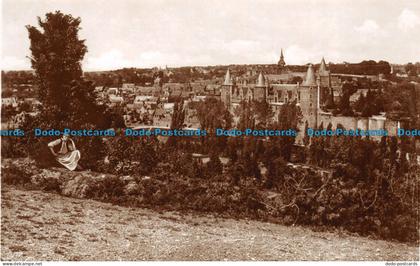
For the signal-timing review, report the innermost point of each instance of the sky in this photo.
(140, 33)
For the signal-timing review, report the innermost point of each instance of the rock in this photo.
(26, 165)
(69, 183)
(76, 187)
(131, 188)
(78, 184)
(45, 177)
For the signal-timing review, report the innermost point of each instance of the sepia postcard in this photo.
(283, 131)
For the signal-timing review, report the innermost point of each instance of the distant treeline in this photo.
(10, 78)
(144, 76)
(363, 68)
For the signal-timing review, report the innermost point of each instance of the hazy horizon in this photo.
(204, 66)
(175, 33)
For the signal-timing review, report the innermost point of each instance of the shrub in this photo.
(363, 206)
(15, 176)
(12, 147)
(110, 189)
(384, 205)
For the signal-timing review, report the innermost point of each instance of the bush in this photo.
(93, 151)
(362, 206)
(42, 155)
(110, 189)
(369, 206)
(15, 176)
(13, 147)
(129, 156)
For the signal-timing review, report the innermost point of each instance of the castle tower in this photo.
(227, 88)
(228, 78)
(323, 68)
(323, 74)
(310, 79)
(260, 88)
(324, 82)
(260, 80)
(309, 98)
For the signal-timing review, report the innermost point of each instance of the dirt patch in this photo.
(45, 226)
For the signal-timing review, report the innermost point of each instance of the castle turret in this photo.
(260, 88)
(227, 88)
(310, 79)
(260, 80)
(309, 97)
(324, 81)
(323, 68)
(228, 79)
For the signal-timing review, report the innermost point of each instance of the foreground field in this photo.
(44, 226)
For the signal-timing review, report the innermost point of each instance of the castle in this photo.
(310, 94)
(313, 94)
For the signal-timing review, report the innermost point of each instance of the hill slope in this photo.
(44, 226)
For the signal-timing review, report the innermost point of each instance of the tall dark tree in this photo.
(360, 103)
(344, 106)
(67, 99)
(57, 53)
(177, 121)
(214, 166)
(246, 115)
(411, 69)
(306, 138)
(263, 114)
(178, 116)
(290, 117)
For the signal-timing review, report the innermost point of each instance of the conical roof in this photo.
(310, 79)
(261, 80)
(322, 67)
(228, 79)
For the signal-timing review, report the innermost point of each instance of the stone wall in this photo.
(347, 122)
(364, 123)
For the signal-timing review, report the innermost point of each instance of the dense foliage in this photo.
(369, 67)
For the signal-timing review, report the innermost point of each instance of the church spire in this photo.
(281, 62)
